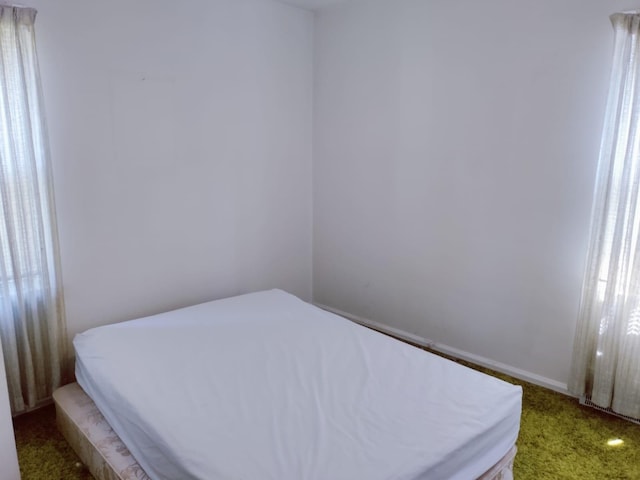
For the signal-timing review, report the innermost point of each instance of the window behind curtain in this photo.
(32, 325)
(606, 359)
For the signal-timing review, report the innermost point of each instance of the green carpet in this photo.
(559, 440)
(563, 440)
(43, 452)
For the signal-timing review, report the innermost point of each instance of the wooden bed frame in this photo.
(107, 458)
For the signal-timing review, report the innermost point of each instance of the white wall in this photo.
(181, 146)
(9, 469)
(455, 149)
(455, 145)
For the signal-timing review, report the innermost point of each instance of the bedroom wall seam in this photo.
(454, 352)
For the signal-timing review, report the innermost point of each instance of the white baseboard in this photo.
(454, 352)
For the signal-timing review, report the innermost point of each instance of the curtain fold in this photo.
(606, 359)
(32, 321)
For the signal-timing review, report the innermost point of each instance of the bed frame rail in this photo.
(91, 437)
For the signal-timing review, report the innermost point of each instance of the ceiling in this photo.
(313, 4)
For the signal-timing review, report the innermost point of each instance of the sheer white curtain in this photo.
(606, 361)
(32, 325)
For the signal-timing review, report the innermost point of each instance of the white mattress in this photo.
(265, 386)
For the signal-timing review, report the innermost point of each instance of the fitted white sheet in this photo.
(265, 386)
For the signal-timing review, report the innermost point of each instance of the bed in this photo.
(265, 386)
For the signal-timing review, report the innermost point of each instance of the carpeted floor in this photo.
(558, 440)
(42, 451)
